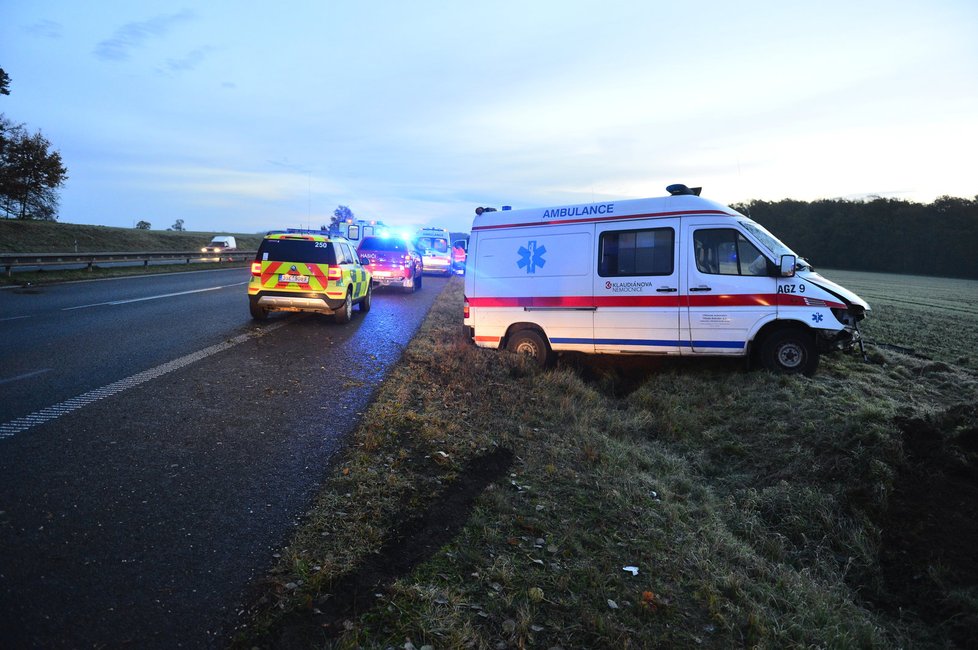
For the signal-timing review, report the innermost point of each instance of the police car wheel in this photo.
(257, 312)
(530, 344)
(790, 352)
(346, 311)
(418, 280)
(365, 301)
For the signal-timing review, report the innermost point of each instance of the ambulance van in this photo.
(436, 254)
(675, 275)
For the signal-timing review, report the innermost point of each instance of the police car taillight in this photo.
(465, 307)
(334, 273)
(256, 268)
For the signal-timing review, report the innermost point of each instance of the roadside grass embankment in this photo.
(17, 236)
(644, 503)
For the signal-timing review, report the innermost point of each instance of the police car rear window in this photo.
(297, 250)
(383, 244)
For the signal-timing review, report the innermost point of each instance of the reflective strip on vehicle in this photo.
(272, 272)
(719, 300)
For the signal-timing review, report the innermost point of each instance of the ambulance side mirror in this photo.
(788, 266)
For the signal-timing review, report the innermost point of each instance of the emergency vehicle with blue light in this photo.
(355, 230)
(674, 275)
(310, 271)
(392, 261)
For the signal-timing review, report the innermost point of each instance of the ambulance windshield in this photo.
(771, 242)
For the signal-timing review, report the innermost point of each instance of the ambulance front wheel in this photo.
(790, 352)
(529, 343)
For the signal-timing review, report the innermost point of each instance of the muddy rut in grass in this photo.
(417, 539)
(929, 553)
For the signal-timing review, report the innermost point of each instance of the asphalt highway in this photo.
(157, 447)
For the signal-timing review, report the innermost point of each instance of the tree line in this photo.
(30, 171)
(885, 235)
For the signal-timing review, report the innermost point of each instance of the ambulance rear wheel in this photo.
(257, 312)
(529, 343)
(345, 312)
(790, 352)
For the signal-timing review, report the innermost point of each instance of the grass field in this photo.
(651, 503)
(934, 317)
(17, 236)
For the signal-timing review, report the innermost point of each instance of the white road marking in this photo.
(25, 375)
(12, 318)
(164, 295)
(12, 428)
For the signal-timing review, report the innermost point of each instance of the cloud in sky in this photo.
(45, 29)
(189, 61)
(135, 34)
(234, 116)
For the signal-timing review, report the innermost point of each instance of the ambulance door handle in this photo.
(667, 289)
(701, 288)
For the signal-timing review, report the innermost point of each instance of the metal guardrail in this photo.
(9, 261)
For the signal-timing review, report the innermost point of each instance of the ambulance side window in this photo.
(636, 252)
(725, 251)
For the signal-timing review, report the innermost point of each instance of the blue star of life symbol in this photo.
(817, 318)
(531, 256)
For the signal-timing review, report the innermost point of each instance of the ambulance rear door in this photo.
(636, 287)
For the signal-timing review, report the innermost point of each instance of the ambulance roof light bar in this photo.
(488, 209)
(678, 189)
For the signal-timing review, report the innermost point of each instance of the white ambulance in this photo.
(436, 253)
(676, 275)
(356, 230)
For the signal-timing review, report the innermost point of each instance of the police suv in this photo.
(307, 270)
(676, 275)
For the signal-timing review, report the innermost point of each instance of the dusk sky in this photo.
(248, 116)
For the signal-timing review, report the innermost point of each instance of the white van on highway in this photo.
(436, 253)
(675, 275)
